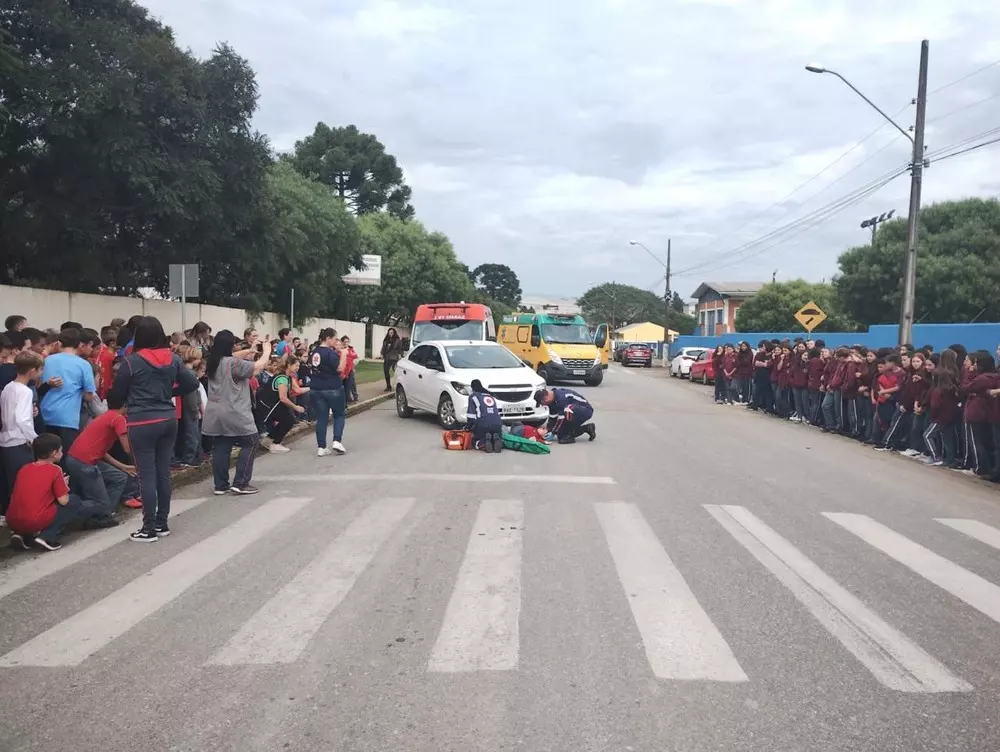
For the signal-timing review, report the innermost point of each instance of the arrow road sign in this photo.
(810, 316)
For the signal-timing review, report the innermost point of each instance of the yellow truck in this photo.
(560, 347)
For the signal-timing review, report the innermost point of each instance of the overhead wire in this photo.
(967, 75)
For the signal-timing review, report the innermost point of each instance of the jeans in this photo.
(152, 448)
(101, 484)
(189, 439)
(387, 367)
(351, 387)
(729, 393)
(762, 394)
(799, 396)
(73, 510)
(13, 458)
(814, 398)
(222, 452)
(742, 384)
(721, 388)
(327, 400)
(918, 425)
(67, 436)
(833, 410)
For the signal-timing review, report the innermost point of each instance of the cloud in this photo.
(546, 135)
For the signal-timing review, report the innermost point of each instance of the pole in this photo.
(291, 317)
(184, 299)
(874, 230)
(913, 223)
(666, 306)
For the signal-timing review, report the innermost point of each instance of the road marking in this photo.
(974, 529)
(624, 370)
(680, 639)
(480, 629)
(893, 659)
(33, 569)
(75, 639)
(280, 631)
(979, 593)
(457, 478)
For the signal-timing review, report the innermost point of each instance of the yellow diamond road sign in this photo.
(810, 316)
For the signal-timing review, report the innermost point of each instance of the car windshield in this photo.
(639, 347)
(427, 331)
(481, 356)
(567, 334)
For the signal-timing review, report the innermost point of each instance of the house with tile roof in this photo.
(717, 303)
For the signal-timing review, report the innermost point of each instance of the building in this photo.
(549, 304)
(717, 304)
(646, 331)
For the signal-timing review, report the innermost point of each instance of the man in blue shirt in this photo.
(568, 412)
(60, 407)
(483, 419)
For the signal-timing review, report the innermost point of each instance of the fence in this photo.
(939, 336)
(49, 308)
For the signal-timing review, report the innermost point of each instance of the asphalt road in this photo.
(700, 578)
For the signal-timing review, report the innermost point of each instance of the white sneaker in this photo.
(278, 448)
(323, 452)
(339, 448)
(265, 442)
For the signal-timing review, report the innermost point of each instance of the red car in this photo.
(702, 369)
(638, 353)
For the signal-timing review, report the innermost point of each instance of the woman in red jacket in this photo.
(799, 382)
(744, 372)
(941, 434)
(981, 380)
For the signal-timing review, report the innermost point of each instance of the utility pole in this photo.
(913, 223)
(667, 301)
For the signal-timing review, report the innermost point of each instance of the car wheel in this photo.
(596, 381)
(403, 409)
(649, 363)
(704, 378)
(446, 413)
(544, 373)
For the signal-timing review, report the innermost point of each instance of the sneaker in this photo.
(144, 535)
(133, 503)
(246, 490)
(910, 453)
(265, 442)
(48, 545)
(339, 448)
(486, 444)
(882, 449)
(591, 430)
(22, 541)
(278, 449)
(496, 440)
(324, 452)
(161, 530)
(222, 491)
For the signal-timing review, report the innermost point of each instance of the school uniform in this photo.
(798, 380)
(920, 387)
(833, 402)
(761, 381)
(979, 413)
(814, 397)
(941, 434)
(744, 374)
(885, 409)
(720, 381)
(729, 377)
(849, 392)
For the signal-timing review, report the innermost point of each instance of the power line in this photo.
(963, 108)
(967, 75)
(968, 149)
(963, 142)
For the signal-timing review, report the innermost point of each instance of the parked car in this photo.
(680, 366)
(619, 351)
(436, 377)
(702, 369)
(637, 352)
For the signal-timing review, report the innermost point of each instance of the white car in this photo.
(436, 377)
(680, 366)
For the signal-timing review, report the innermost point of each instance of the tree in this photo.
(498, 282)
(958, 270)
(773, 308)
(358, 169)
(677, 303)
(620, 305)
(417, 267)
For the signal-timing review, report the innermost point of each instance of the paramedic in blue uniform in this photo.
(483, 419)
(569, 412)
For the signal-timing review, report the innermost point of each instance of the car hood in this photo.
(499, 378)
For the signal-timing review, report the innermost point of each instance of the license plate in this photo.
(514, 410)
(579, 372)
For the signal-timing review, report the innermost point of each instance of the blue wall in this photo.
(939, 336)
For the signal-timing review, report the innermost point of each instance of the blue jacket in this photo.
(483, 410)
(323, 365)
(563, 398)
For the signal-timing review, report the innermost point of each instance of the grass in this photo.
(367, 371)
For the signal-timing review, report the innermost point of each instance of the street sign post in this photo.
(810, 316)
(183, 280)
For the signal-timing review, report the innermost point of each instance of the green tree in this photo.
(417, 267)
(677, 303)
(498, 282)
(958, 269)
(680, 322)
(620, 305)
(773, 308)
(356, 166)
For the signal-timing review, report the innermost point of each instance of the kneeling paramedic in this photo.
(483, 419)
(568, 412)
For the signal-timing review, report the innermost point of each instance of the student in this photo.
(327, 391)
(799, 382)
(921, 374)
(850, 389)
(744, 372)
(17, 404)
(863, 404)
(61, 407)
(941, 434)
(762, 377)
(187, 449)
(719, 380)
(285, 342)
(483, 419)
(890, 381)
(275, 409)
(105, 359)
(350, 379)
(15, 323)
(569, 412)
(146, 383)
(41, 505)
(814, 382)
(981, 380)
(730, 390)
(95, 474)
(833, 407)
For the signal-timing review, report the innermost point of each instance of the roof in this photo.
(729, 289)
(629, 327)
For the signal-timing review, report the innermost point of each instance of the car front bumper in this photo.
(559, 372)
(513, 412)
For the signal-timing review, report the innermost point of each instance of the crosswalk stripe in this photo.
(980, 531)
(680, 639)
(32, 570)
(75, 639)
(895, 661)
(281, 629)
(396, 478)
(979, 593)
(480, 629)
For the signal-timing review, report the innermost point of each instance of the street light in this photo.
(666, 291)
(916, 181)
(874, 222)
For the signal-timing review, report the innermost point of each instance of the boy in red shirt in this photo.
(350, 379)
(94, 472)
(41, 505)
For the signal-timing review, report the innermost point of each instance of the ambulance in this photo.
(456, 321)
(560, 347)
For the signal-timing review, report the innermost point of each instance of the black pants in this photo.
(762, 394)
(981, 448)
(388, 367)
(152, 448)
(941, 440)
(280, 423)
(12, 459)
(899, 430)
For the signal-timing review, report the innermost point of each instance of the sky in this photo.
(546, 135)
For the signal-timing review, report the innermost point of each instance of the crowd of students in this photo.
(89, 419)
(939, 407)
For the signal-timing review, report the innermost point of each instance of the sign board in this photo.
(810, 316)
(371, 274)
(183, 281)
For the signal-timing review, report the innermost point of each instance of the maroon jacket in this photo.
(979, 405)
(815, 375)
(829, 368)
(798, 376)
(728, 366)
(836, 380)
(852, 379)
(944, 405)
(744, 364)
(773, 366)
(868, 374)
(919, 385)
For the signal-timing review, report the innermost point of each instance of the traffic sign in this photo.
(810, 316)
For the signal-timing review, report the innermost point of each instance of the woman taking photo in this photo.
(147, 380)
(229, 417)
(392, 351)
